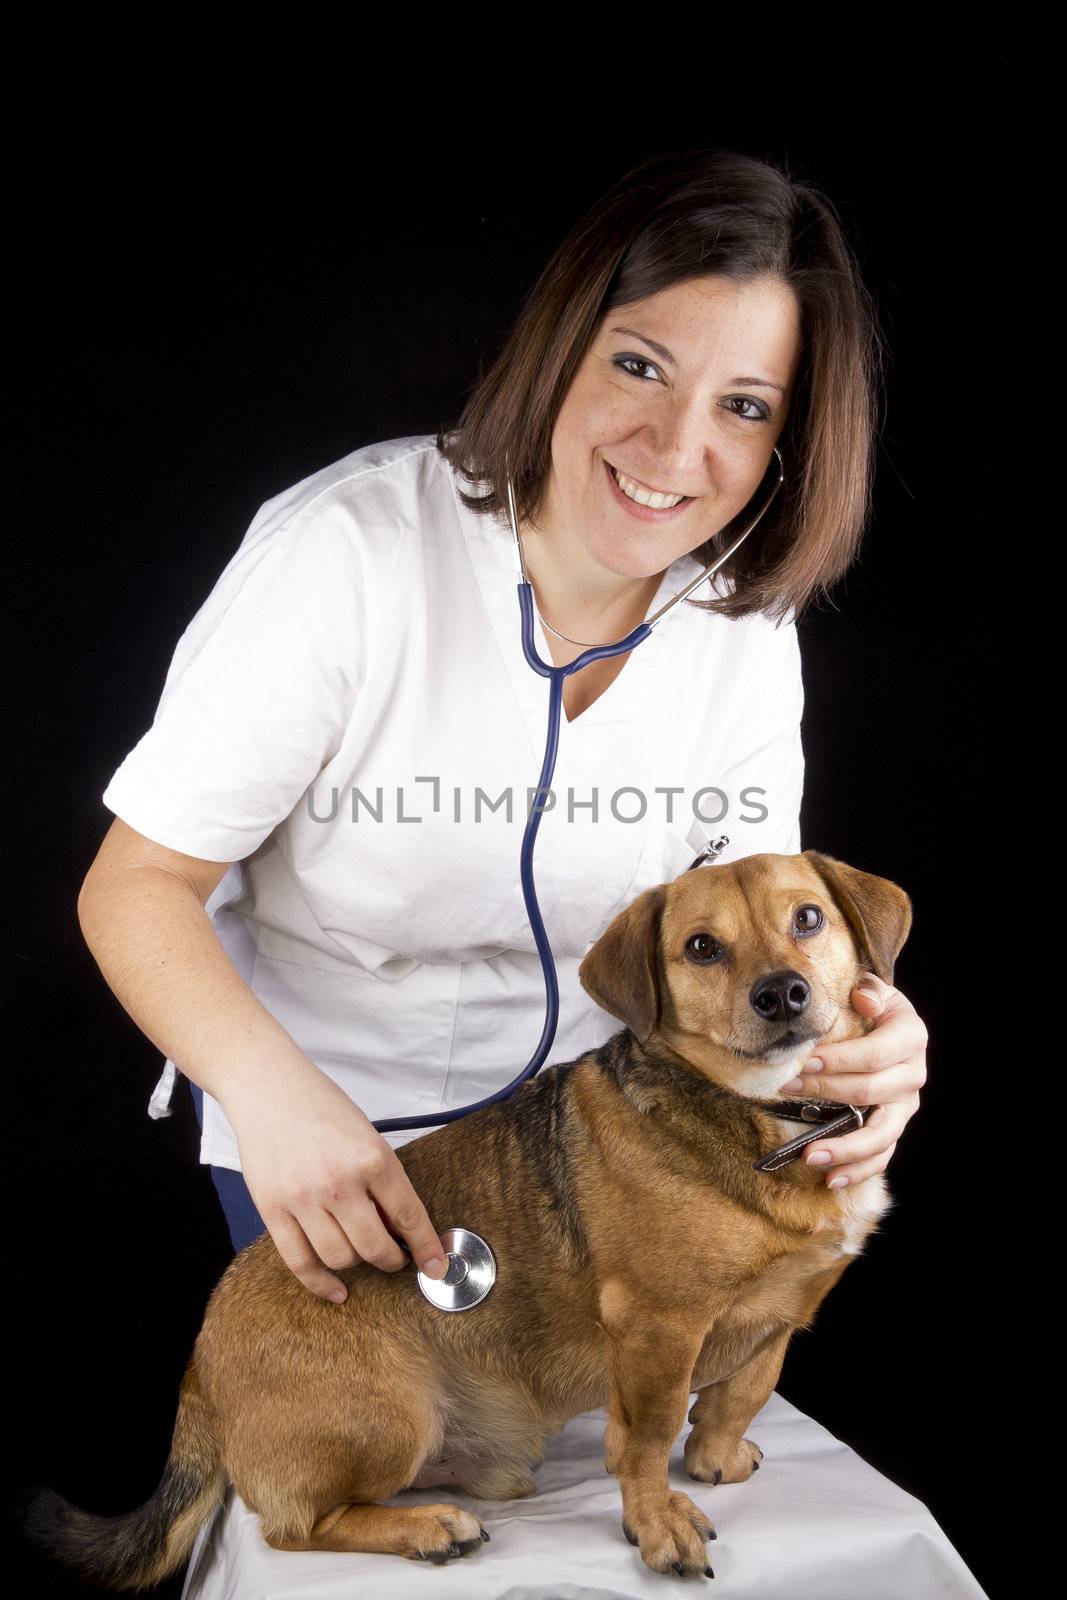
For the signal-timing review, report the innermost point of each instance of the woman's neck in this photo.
(580, 599)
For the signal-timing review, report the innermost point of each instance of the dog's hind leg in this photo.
(315, 1480)
(422, 1533)
(326, 1497)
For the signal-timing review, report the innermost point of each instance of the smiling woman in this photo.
(707, 308)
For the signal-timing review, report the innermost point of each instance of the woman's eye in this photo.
(762, 413)
(622, 363)
(702, 947)
(807, 919)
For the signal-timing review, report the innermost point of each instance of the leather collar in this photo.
(828, 1116)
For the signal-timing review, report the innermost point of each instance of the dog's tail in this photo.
(136, 1551)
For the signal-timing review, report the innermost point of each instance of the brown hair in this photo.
(675, 217)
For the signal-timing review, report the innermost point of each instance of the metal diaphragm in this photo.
(470, 1276)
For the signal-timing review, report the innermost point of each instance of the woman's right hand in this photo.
(326, 1183)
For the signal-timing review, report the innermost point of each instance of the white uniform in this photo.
(350, 719)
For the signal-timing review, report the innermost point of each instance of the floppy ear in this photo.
(621, 971)
(878, 911)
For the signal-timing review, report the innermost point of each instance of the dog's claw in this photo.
(485, 1537)
(676, 1566)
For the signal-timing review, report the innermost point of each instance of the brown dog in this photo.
(587, 1179)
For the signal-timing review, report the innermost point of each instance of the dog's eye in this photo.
(807, 919)
(702, 947)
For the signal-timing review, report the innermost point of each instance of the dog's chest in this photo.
(858, 1211)
(832, 1237)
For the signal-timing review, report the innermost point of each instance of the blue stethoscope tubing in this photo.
(557, 676)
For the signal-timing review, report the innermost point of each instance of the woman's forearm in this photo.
(154, 943)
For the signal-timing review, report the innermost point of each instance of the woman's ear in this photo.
(621, 971)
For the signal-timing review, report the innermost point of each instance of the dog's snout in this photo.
(780, 996)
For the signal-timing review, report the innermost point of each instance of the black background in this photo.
(202, 330)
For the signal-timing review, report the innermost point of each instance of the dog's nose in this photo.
(779, 996)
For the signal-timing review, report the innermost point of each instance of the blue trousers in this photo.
(242, 1218)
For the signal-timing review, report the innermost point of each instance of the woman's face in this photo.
(697, 416)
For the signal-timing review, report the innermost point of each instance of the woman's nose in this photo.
(681, 444)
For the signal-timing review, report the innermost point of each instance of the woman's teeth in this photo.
(643, 496)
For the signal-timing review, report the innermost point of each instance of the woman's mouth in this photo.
(645, 504)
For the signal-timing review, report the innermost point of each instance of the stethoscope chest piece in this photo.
(470, 1276)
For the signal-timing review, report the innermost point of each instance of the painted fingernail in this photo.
(820, 1158)
(813, 1064)
(837, 1183)
(796, 1083)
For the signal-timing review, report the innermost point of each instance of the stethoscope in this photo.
(471, 1267)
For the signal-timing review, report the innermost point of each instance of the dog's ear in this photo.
(621, 971)
(878, 910)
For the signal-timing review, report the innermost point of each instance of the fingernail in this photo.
(813, 1064)
(795, 1083)
(434, 1268)
(338, 1296)
(820, 1158)
(837, 1183)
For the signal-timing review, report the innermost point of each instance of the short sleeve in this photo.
(257, 698)
(765, 782)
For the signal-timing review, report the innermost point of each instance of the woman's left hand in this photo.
(885, 1069)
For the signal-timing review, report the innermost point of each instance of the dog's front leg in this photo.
(650, 1363)
(716, 1451)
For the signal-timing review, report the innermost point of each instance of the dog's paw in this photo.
(708, 1460)
(671, 1538)
(440, 1533)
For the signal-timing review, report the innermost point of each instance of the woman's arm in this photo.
(141, 911)
(314, 1163)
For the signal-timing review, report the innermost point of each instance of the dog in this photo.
(656, 1147)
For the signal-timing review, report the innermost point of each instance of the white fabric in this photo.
(366, 635)
(816, 1522)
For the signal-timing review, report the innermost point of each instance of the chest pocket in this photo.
(665, 855)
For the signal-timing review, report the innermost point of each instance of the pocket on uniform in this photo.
(665, 855)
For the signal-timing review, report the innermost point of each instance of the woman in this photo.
(260, 907)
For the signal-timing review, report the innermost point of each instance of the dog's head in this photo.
(744, 967)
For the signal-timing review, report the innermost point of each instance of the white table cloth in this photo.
(815, 1523)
